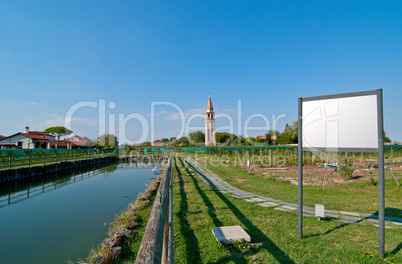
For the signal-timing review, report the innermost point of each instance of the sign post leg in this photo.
(381, 198)
(300, 170)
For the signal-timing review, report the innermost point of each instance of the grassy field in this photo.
(354, 196)
(198, 208)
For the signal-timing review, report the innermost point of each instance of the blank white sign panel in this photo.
(340, 123)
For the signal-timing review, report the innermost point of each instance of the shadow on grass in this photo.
(276, 252)
(208, 203)
(393, 252)
(396, 250)
(191, 241)
(393, 212)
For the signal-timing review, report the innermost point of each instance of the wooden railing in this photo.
(35, 159)
(157, 243)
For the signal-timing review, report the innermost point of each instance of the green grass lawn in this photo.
(198, 208)
(355, 196)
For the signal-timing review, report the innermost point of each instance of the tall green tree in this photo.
(386, 139)
(58, 131)
(225, 137)
(270, 134)
(107, 140)
(197, 137)
(183, 141)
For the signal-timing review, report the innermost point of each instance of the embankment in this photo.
(24, 173)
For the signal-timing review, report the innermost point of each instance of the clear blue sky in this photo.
(54, 54)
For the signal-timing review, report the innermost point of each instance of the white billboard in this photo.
(345, 122)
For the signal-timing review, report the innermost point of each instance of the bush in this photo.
(346, 168)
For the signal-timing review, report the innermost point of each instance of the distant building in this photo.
(158, 143)
(210, 125)
(79, 142)
(40, 139)
(1, 136)
(27, 140)
(262, 137)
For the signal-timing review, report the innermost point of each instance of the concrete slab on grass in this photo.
(350, 213)
(288, 207)
(289, 204)
(309, 211)
(308, 215)
(268, 204)
(331, 211)
(331, 215)
(281, 209)
(225, 234)
(257, 199)
(350, 217)
(387, 227)
(349, 222)
(272, 200)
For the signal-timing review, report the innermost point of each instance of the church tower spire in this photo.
(210, 124)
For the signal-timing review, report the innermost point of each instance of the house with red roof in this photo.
(27, 140)
(40, 139)
(158, 143)
(79, 142)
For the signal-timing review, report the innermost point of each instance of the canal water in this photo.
(61, 219)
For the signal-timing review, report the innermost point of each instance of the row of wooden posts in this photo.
(289, 157)
(157, 242)
(10, 161)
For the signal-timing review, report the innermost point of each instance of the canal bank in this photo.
(63, 223)
(126, 232)
(18, 174)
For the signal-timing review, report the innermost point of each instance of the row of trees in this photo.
(272, 137)
(106, 140)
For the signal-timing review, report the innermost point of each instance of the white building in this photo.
(27, 140)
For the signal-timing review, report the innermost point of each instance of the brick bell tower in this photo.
(210, 125)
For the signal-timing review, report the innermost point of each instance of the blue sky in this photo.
(56, 54)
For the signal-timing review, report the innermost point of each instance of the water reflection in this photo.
(63, 220)
(19, 191)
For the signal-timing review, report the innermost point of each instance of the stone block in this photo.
(226, 234)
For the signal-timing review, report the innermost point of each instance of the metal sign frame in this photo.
(379, 150)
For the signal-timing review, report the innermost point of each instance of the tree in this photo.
(250, 141)
(386, 139)
(197, 137)
(260, 140)
(270, 134)
(146, 144)
(183, 141)
(225, 137)
(284, 138)
(294, 131)
(58, 131)
(107, 140)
